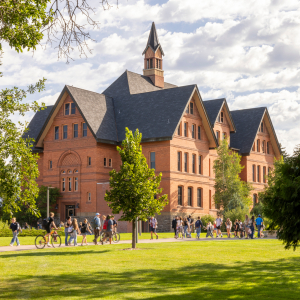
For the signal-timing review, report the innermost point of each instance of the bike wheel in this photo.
(103, 237)
(40, 242)
(55, 240)
(116, 237)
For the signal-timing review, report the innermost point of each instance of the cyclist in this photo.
(109, 229)
(48, 227)
(115, 223)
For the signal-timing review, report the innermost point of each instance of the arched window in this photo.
(75, 171)
(199, 197)
(200, 164)
(264, 174)
(258, 146)
(258, 173)
(253, 173)
(63, 184)
(69, 172)
(63, 172)
(268, 147)
(263, 146)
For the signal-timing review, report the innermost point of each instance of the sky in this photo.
(245, 51)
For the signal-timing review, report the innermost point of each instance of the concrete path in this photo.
(163, 240)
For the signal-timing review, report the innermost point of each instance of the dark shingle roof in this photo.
(247, 122)
(153, 42)
(213, 108)
(98, 111)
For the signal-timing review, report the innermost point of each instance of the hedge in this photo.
(28, 232)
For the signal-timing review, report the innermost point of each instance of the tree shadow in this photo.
(278, 279)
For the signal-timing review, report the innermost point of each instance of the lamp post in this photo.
(49, 187)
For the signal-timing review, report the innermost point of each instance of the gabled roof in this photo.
(247, 123)
(153, 42)
(213, 108)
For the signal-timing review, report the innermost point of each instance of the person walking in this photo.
(259, 223)
(185, 227)
(74, 232)
(48, 228)
(215, 228)
(219, 223)
(67, 224)
(153, 227)
(251, 226)
(246, 226)
(209, 229)
(174, 225)
(96, 225)
(198, 226)
(15, 228)
(236, 228)
(228, 227)
(179, 230)
(26, 226)
(84, 230)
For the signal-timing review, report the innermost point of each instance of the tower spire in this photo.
(153, 59)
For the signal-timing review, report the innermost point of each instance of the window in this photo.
(63, 185)
(63, 172)
(73, 109)
(180, 195)
(178, 130)
(262, 127)
(258, 173)
(76, 184)
(151, 63)
(75, 171)
(84, 129)
(222, 117)
(179, 161)
(89, 197)
(258, 146)
(69, 184)
(185, 162)
(109, 162)
(104, 162)
(224, 135)
(89, 161)
(69, 172)
(187, 109)
(193, 131)
(67, 109)
(190, 196)
(50, 164)
(263, 147)
(194, 163)
(152, 160)
(200, 164)
(147, 63)
(268, 147)
(199, 133)
(157, 63)
(185, 129)
(218, 135)
(191, 108)
(253, 173)
(65, 131)
(254, 199)
(56, 132)
(264, 174)
(75, 134)
(199, 197)
(209, 198)
(253, 147)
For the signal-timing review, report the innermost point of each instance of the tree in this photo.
(281, 199)
(230, 191)
(134, 189)
(18, 165)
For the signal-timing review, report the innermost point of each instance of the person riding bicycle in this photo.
(109, 229)
(115, 223)
(48, 227)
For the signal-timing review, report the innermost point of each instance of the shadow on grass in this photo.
(278, 279)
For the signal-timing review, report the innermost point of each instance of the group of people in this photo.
(183, 227)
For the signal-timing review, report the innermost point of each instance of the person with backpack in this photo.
(209, 229)
(74, 233)
(84, 230)
(153, 226)
(48, 227)
(198, 226)
(174, 224)
(108, 227)
(259, 222)
(67, 224)
(96, 225)
(15, 228)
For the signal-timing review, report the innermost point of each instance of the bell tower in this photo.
(153, 59)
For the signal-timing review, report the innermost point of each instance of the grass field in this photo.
(236, 269)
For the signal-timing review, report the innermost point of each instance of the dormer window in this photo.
(151, 63)
(262, 127)
(191, 108)
(67, 109)
(73, 109)
(222, 117)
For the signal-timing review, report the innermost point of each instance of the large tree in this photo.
(281, 199)
(230, 191)
(134, 190)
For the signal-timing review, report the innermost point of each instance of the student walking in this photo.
(236, 228)
(15, 228)
(48, 228)
(246, 226)
(174, 225)
(185, 227)
(84, 230)
(242, 229)
(228, 227)
(74, 232)
(209, 229)
(259, 223)
(179, 229)
(219, 223)
(198, 226)
(215, 228)
(153, 226)
(68, 223)
(251, 227)
(96, 225)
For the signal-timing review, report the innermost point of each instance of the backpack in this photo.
(45, 223)
(19, 229)
(93, 223)
(105, 224)
(197, 224)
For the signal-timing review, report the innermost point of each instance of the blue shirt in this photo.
(259, 220)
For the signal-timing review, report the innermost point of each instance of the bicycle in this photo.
(40, 240)
(115, 237)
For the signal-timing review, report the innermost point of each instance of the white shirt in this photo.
(218, 222)
(153, 222)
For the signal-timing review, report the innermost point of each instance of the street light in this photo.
(49, 187)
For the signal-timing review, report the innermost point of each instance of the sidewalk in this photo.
(163, 240)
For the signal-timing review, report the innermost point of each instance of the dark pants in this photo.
(258, 230)
(97, 234)
(174, 230)
(252, 231)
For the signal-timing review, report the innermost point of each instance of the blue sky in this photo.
(246, 51)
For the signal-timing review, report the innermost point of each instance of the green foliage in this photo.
(134, 189)
(281, 199)
(237, 213)
(28, 232)
(18, 165)
(257, 209)
(4, 225)
(230, 191)
(206, 219)
(21, 23)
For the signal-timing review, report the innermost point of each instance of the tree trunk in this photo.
(133, 234)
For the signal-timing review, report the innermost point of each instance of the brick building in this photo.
(76, 140)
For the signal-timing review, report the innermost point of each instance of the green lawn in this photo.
(238, 269)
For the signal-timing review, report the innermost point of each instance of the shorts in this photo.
(152, 229)
(48, 229)
(218, 227)
(108, 234)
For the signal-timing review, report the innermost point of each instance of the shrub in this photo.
(4, 225)
(27, 232)
(206, 219)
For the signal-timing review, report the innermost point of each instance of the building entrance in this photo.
(70, 211)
